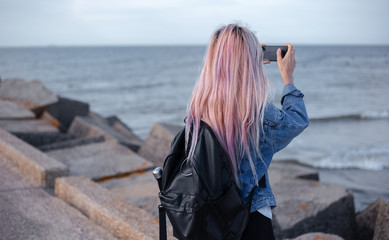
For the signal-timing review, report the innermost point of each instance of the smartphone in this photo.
(270, 52)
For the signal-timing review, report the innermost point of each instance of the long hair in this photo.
(231, 95)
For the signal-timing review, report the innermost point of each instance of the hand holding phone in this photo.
(287, 64)
(270, 52)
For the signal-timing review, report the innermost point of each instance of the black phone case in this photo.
(270, 52)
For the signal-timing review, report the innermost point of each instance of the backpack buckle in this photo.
(182, 173)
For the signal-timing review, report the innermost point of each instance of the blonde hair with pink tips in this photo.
(231, 95)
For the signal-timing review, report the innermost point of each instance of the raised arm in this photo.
(292, 119)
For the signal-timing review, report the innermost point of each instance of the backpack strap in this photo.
(162, 223)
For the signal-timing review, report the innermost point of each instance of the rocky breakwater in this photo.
(58, 144)
(99, 166)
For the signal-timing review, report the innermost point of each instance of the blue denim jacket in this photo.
(280, 127)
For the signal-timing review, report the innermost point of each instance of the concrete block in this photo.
(366, 220)
(11, 110)
(42, 138)
(32, 213)
(51, 119)
(65, 110)
(100, 160)
(139, 189)
(157, 145)
(28, 125)
(93, 125)
(10, 177)
(282, 171)
(32, 163)
(28, 212)
(121, 219)
(29, 94)
(308, 206)
(122, 128)
(70, 143)
(381, 230)
(317, 236)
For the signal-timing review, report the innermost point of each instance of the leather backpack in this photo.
(199, 195)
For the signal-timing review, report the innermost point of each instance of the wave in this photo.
(367, 115)
(375, 158)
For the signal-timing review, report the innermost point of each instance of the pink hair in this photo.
(231, 95)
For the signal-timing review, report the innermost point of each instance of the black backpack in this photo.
(199, 195)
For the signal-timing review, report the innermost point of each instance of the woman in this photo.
(231, 96)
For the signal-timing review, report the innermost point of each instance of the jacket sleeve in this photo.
(291, 120)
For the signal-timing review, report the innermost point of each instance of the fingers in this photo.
(290, 49)
(290, 53)
(266, 62)
(279, 55)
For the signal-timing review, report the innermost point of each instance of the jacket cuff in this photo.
(290, 89)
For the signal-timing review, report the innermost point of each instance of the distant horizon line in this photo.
(181, 45)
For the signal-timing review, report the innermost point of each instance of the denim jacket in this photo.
(280, 127)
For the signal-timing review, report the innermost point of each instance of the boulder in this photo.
(317, 236)
(157, 145)
(381, 230)
(11, 110)
(309, 206)
(94, 125)
(65, 110)
(366, 220)
(29, 94)
(100, 160)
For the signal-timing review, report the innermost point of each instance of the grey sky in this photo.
(144, 22)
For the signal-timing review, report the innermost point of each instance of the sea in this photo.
(346, 91)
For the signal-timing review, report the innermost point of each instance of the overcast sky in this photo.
(161, 22)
